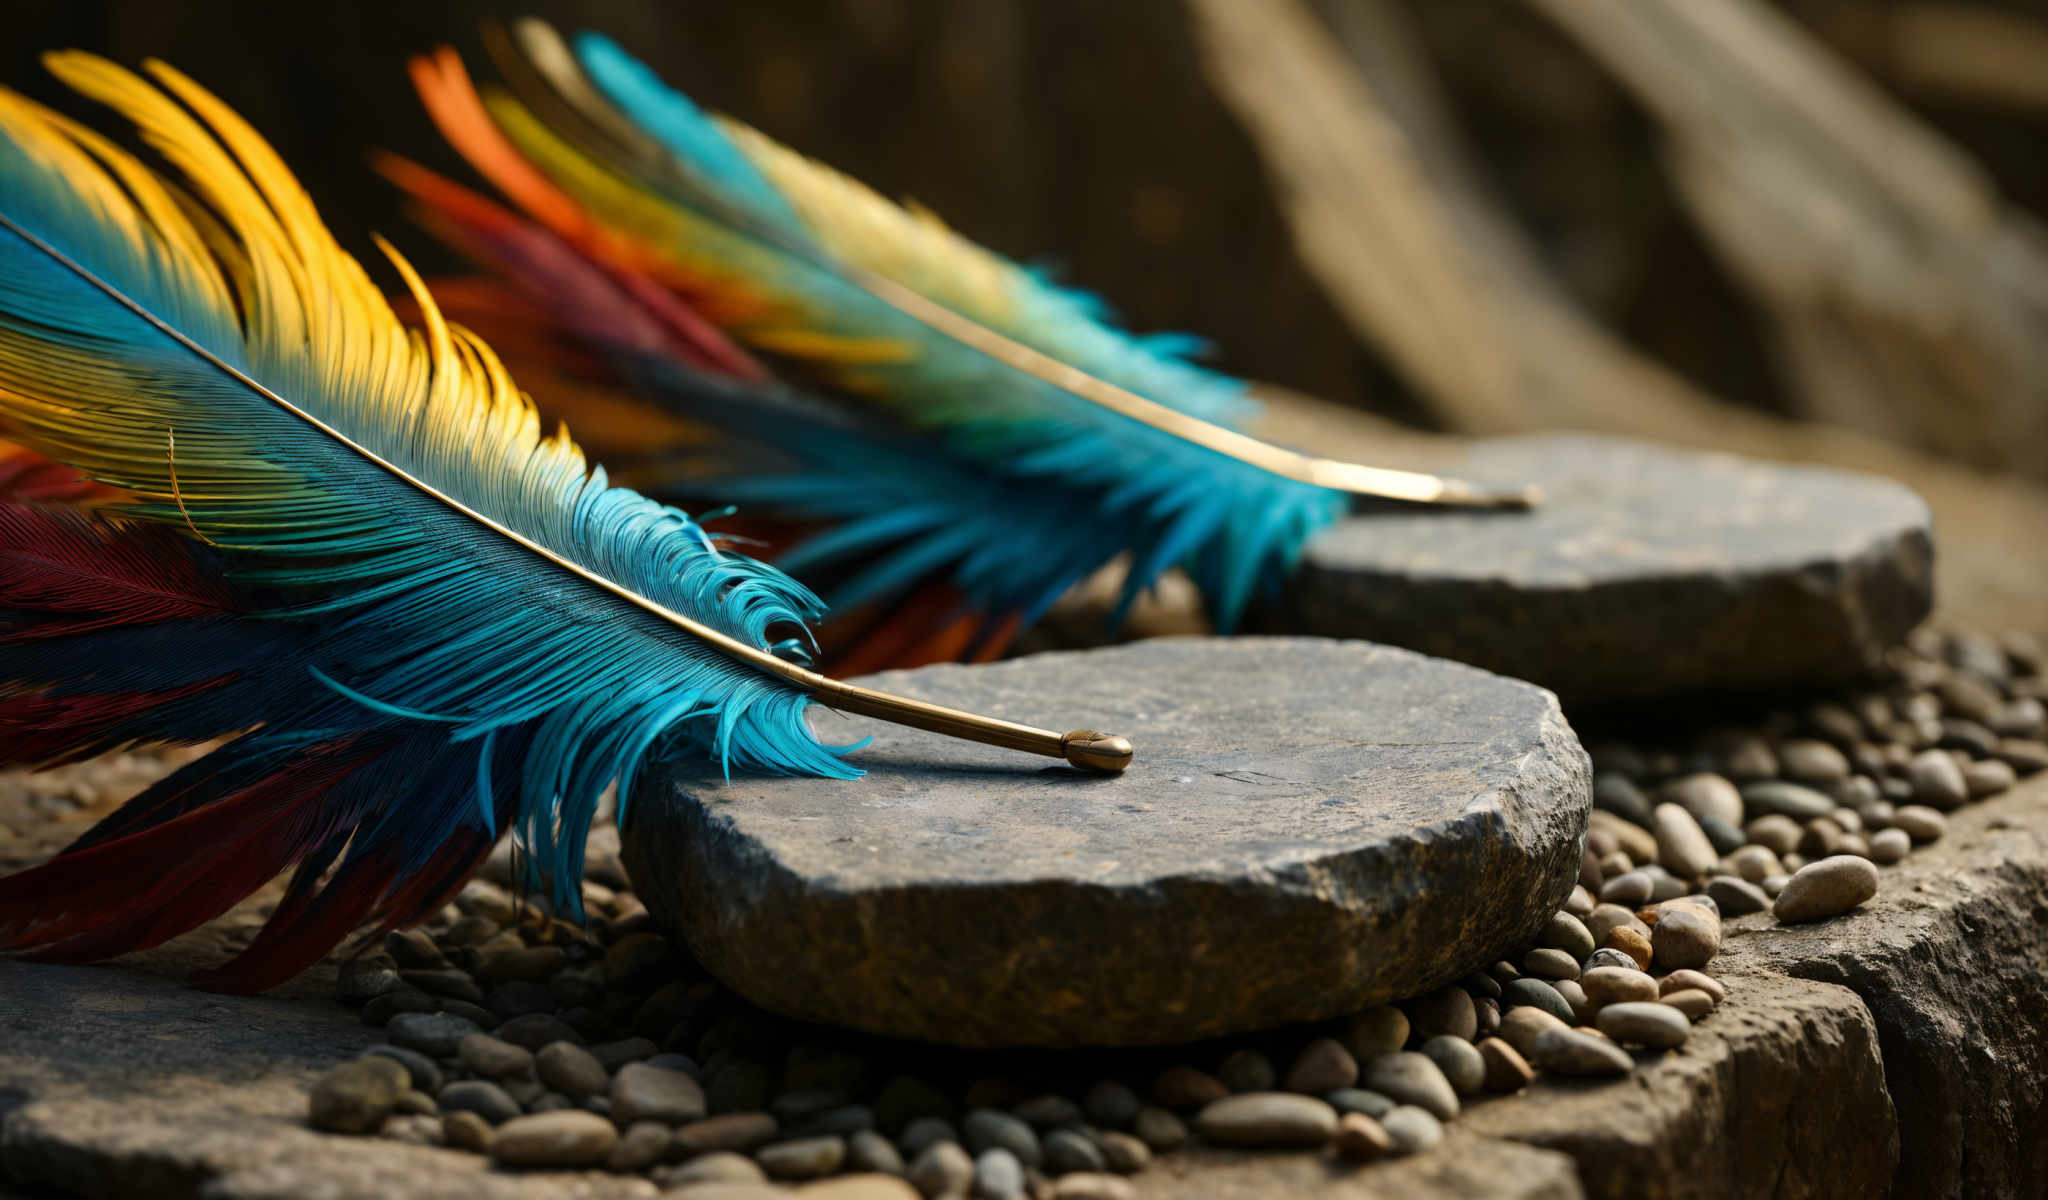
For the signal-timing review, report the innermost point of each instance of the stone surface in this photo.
(1343, 823)
(1646, 570)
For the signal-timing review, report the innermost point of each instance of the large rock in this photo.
(1645, 571)
(1309, 827)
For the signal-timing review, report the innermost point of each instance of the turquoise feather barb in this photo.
(773, 249)
(325, 550)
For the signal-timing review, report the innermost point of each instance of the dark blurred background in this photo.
(1679, 218)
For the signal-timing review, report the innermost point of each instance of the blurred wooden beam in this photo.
(1906, 299)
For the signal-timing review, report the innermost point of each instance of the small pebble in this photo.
(1160, 1129)
(1686, 935)
(1410, 1078)
(985, 1128)
(1580, 902)
(640, 1147)
(1694, 1003)
(1459, 1061)
(1754, 863)
(1679, 981)
(943, 1170)
(493, 1059)
(1126, 1154)
(1988, 777)
(557, 1139)
(1376, 1031)
(1703, 795)
(1658, 1026)
(1726, 838)
(1246, 1070)
(1068, 1151)
(1791, 800)
(1618, 985)
(1372, 1104)
(434, 1034)
(920, 1133)
(466, 1131)
(1446, 1010)
(1608, 957)
(1547, 963)
(1575, 996)
(482, 1097)
(1827, 888)
(1632, 943)
(728, 1131)
(1775, 832)
(1412, 1129)
(1110, 1104)
(1629, 889)
(1811, 761)
(802, 1158)
(1323, 1066)
(356, 1096)
(1506, 1069)
(1921, 823)
(1888, 846)
(1567, 933)
(1183, 1088)
(998, 1176)
(1361, 1138)
(643, 1093)
(1738, 897)
(1274, 1119)
(1615, 794)
(1569, 1052)
(1937, 781)
(719, 1166)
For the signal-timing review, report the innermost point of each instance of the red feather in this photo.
(59, 561)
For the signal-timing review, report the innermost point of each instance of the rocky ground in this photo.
(1880, 1027)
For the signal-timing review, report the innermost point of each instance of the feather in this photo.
(964, 467)
(346, 544)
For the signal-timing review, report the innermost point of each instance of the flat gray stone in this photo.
(1647, 570)
(1310, 827)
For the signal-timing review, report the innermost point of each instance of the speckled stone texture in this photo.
(1309, 827)
(1646, 571)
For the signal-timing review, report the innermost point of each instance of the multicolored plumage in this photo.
(344, 544)
(934, 460)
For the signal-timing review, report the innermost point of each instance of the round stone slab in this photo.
(1646, 571)
(1309, 827)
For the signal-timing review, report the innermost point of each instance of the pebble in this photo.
(1726, 838)
(1566, 932)
(425, 1072)
(998, 1176)
(1581, 901)
(493, 1059)
(356, 1096)
(1412, 1129)
(1658, 1026)
(1988, 777)
(571, 1070)
(479, 1096)
(2024, 755)
(1793, 801)
(1537, 994)
(1068, 1151)
(1376, 1031)
(362, 981)
(1631, 839)
(719, 1166)
(1274, 1118)
(1522, 1024)
(640, 1147)
(1825, 889)
(1372, 1104)
(1937, 781)
(1618, 985)
(643, 1093)
(1246, 1070)
(1569, 1052)
(1049, 1111)
(466, 1131)
(1686, 935)
(1889, 845)
(1774, 885)
(434, 1034)
(1628, 889)
(1609, 917)
(1410, 1078)
(1183, 1088)
(1126, 1154)
(942, 1170)
(1921, 823)
(1323, 1066)
(1775, 832)
(1160, 1129)
(1575, 996)
(802, 1158)
(536, 1030)
(1361, 1138)
(1703, 795)
(1664, 885)
(1738, 897)
(1810, 761)
(1607, 956)
(413, 1129)
(1445, 1010)
(986, 1128)
(1747, 757)
(1755, 863)
(1616, 794)
(558, 1139)
(1093, 1185)
(918, 1134)
(1632, 943)
(1545, 962)
(1687, 980)
(1505, 1068)
(1694, 1003)
(1459, 1062)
